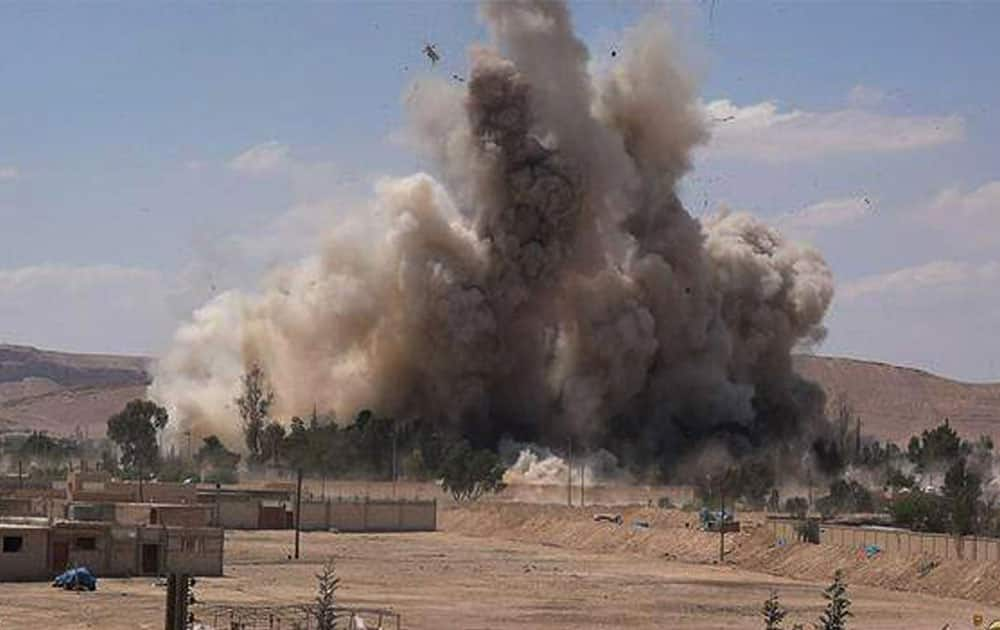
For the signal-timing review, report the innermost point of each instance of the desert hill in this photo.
(58, 392)
(896, 402)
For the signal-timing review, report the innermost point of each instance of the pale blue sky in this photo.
(121, 208)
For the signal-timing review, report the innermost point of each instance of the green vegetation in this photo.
(773, 612)
(468, 474)
(834, 616)
(325, 608)
(838, 605)
(254, 404)
(134, 431)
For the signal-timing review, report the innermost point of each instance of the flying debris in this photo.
(541, 280)
(458, 78)
(431, 51)
(724, 119)
(614, 53)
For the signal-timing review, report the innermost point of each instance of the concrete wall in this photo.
(162, 514)
(128, 491)
(31, 562)
(237, 513)
(370, 515)
(899, 543)
(17, 506)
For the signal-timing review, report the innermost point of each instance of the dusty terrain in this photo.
(673, 535)
(451, 580)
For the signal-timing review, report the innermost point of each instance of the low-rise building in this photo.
(35, 549)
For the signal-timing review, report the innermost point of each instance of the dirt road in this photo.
(443, 581)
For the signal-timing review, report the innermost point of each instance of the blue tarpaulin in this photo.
(77, 580)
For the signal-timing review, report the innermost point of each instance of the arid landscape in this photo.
(480, 573)
(39, 390)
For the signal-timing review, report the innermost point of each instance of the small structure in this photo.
(35, 549)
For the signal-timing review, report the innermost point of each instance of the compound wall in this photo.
(898, 543)
(362, 515)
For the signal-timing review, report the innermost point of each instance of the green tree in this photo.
(219, 462)
(962, 489)
(468, 474)
(838, 605)
(134, 430)
(254, 404)
(38, 445)
(272, 440)
(939, 445)
(773, 612)
(920, 511)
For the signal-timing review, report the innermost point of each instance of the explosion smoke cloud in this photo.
(550, 283)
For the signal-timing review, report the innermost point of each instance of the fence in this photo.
(899, 543)
(289, 617)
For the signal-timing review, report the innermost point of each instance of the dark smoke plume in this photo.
(548, 283)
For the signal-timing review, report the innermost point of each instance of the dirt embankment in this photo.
(674, 535)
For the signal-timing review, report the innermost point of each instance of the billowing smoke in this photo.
(545, 282)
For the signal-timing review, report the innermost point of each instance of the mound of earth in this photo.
(674, 535)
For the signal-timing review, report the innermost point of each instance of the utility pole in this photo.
(20, 474)
(809, 480)
(395, 434)
(569, 472)
(178, 600)
(583, 471)
(722, 519)
(857, 443)
(298, 509)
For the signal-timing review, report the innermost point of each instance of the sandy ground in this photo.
(446, 580)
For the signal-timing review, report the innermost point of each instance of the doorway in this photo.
(60, 556)
(150, 559)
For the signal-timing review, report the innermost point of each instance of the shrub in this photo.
(920, 511)
(468, 474)
(773, 612)
(838, 605)
(327, 583)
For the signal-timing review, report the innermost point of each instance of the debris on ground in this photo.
(608, 518)
(78, 579)
(872, 550)
(637, 524)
